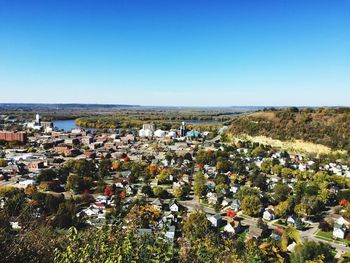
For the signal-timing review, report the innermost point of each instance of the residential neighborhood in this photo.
(153, 180)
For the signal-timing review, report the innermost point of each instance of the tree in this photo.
(182, 191)
(116, 165)
(266, 166)
(311, 250)
(196, 226)
(245, 191)
(281, 192)
(302, 210)
(83, 167)
(105, 167)
(77, 183)
(113, 244)
(262, 225)
(30, 190)
(290, 233)
(199, 184)
(147, 189)
(222, 165)
(14, 204)
(152, 170)
(325, 226)
(347, 211)
(142, 216)
(65, 216)
(160, 192)
(3, 163)
(281, 209)
(277, 169)
(108, 191)
(46, 175)
(286, 172)
(259, 151)
(163, 177)
(343, 202)
(251, 205)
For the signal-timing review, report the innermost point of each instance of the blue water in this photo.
(66, 125)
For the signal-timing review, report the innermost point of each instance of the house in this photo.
(225, 202)
(212, 198)
(339, 231)
(254, 232)
(215, 220)
(157, 204)
(292, 219)
(343, 221)
(235, 205)
(35, 165)
(233, 227)
(234, 188)
(269, 214)
(174, 206)
(291, 247)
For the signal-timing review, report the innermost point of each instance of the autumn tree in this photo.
(142, 216)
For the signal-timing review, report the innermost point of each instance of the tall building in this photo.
(13, 136)
(183, 129)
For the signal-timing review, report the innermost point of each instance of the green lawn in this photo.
(324, 235)
(328, 236)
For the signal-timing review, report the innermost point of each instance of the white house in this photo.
(173, 206)
(269, 214)
(232, 227)
(343, 221)
(291, 219)
(235, 205)
(215, 220)
(339, 231)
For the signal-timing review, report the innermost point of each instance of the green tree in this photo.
(160, 192)
(196, 226)
(105, 167)
(46, 175)
(281, 192)
(266, 166)
(251, 205)
(65, 216)
(281, 209)
(311, 250)
(199, 184)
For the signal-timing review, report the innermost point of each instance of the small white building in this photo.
(269, 214)
(215, 220)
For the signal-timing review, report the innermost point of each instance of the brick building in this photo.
(13, 136)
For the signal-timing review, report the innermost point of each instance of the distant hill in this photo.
(326, 126)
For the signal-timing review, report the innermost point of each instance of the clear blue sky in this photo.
(176, 52)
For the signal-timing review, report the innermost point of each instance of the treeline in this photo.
(162, 119)
(326, 126)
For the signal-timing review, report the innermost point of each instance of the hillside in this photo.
(329, 127)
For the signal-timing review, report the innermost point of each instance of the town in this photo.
(182, 184)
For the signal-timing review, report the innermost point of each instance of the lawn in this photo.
(328, 236)
(324, 235)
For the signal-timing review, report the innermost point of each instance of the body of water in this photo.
(65, 125)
